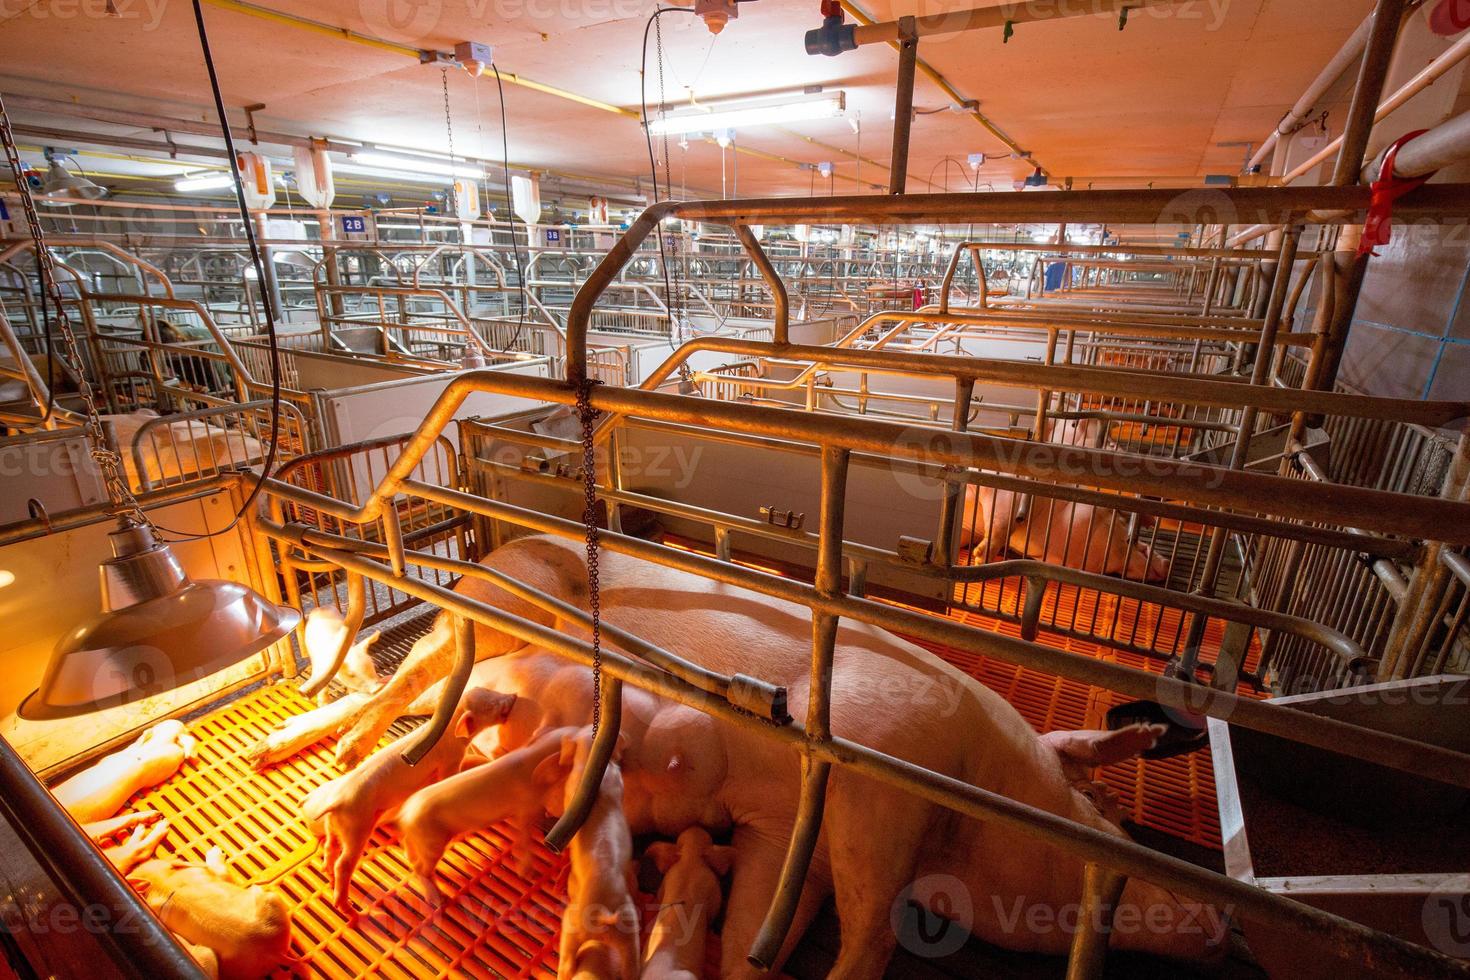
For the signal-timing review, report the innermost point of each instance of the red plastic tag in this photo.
(1387, 189)
(1450, 17)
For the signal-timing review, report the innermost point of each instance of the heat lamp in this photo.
(158, 630)
(61, 183)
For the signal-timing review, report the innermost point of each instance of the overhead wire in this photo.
(267, 301)
(663, 258)
(515, 244)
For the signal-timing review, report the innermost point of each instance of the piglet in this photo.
(100, 791)
(347, 809)
(324, 632)
(599, 929)
(688, 900)
(248, 928)
(515, 786)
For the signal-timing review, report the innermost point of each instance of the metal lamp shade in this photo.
(61, 182)
(158, 630)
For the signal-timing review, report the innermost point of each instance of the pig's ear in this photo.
(720, 858)
(549, 771)
(504, 702)
(464, 725)
(663, 854)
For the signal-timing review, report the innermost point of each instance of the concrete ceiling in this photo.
(1088, 100)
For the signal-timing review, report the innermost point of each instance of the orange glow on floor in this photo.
(498, 922)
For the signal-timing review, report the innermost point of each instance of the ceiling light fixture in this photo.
(412, 164)
(730, 115)
(203, 182)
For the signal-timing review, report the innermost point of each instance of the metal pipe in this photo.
(1373, 510)
(1349, 53)
(1245, 432)
(604, 742)
(454, 685)
(1346, 648)
(1270, 205)
(1097, 381)
(781, 302)
(1443, 146)
(760, 698)
(1371, 746)
(818, 721)
(1432, 72)
(970, 106)
(993, 17)
(903, 104)
(1102, 890)
(1382, 38)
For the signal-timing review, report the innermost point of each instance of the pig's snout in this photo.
(1146, 566)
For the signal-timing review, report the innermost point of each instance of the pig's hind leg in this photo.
(874, 835)
(430, 659)
(756, 869)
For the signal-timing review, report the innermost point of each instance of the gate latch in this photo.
(788, 519)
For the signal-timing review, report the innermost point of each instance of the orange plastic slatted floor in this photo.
(499, 921)
(1176, 796)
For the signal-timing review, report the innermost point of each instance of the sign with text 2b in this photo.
(354, 226)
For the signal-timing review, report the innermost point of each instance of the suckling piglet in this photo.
(100, 791)
(599, 929)
(688, 900)
(347, 809)
(477, 797)
(248, 927)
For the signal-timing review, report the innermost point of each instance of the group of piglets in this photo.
(234, 931)
(451, 792)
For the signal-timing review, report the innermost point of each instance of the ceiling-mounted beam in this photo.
(404, 50)
(969, 106)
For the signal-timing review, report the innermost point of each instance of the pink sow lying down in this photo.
(1060, 532)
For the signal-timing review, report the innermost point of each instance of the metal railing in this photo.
(1237, 493)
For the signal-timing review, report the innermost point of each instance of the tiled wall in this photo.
(1411, 335)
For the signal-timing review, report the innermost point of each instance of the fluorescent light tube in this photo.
(207, 182)
(736, 116)
(419, 165)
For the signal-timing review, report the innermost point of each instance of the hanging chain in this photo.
(448, 122)
(109, 464)
(588, 415)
